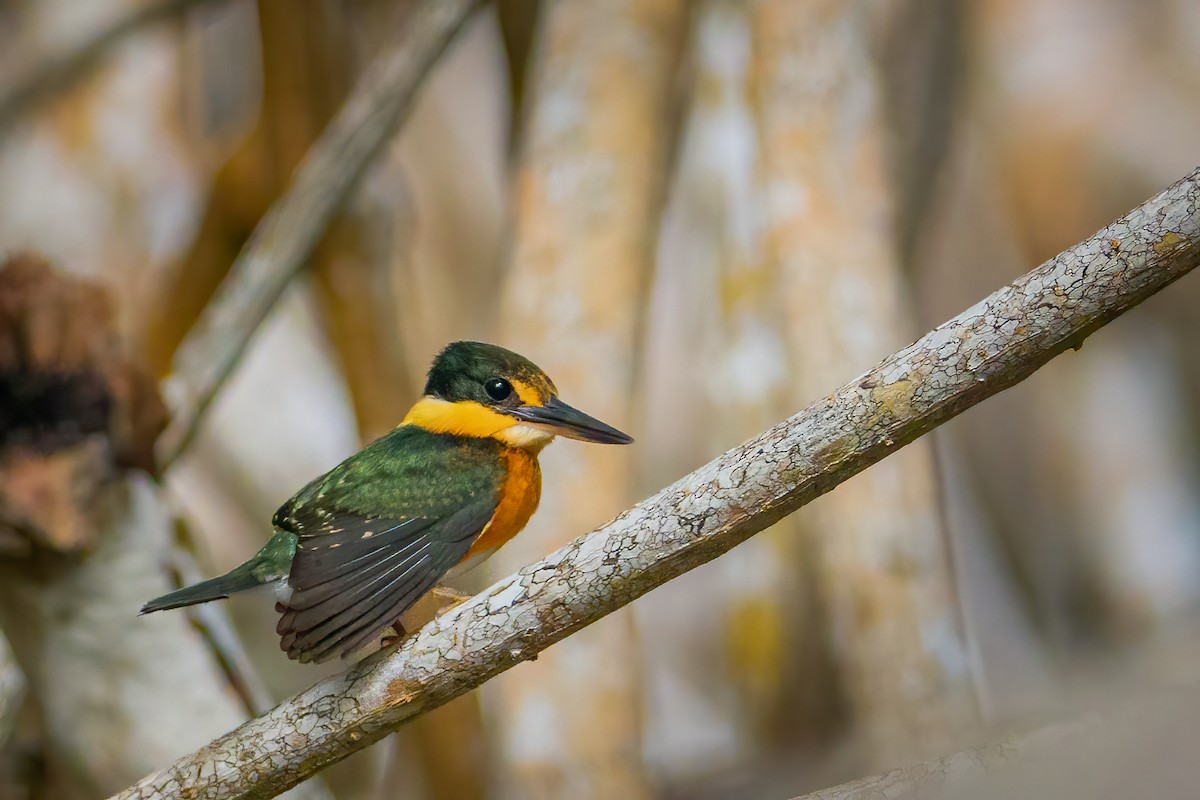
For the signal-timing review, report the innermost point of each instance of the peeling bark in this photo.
(991, 346)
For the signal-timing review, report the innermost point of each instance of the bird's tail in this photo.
(238, 580)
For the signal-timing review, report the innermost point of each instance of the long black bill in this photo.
(559, 418)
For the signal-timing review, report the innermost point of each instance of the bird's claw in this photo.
(448, 598)
(392, 639)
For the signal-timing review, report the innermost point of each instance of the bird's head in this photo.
(481, 390)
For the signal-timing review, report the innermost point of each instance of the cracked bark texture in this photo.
(587, 206)
(991, 346)
(879, 545)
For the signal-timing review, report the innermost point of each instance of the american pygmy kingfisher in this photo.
(459, 477)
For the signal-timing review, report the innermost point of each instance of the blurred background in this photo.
(697, 216)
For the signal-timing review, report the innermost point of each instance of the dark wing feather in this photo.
(353, 576)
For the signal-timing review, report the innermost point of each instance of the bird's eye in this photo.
(498, 389)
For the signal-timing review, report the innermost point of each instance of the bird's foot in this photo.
(448, 598)
(432, 605)
(395, 638)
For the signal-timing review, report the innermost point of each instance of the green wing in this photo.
(377, 532)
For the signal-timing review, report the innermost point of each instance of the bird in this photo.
(434, 497)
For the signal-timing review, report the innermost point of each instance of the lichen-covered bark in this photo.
(587, 196)
(879, 548)
(285, 238)
(993, 345)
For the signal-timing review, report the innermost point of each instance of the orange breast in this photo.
(518, 500)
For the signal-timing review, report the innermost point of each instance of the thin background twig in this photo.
(285, 238)
(59, 72)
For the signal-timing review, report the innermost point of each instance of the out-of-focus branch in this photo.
(991, 346)
(974, 765)
(284, 240)
(59, 72)
(1135, 748)
(308, 62)
(213, 621)
(938, 775)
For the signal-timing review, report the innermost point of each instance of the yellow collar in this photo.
(469, 418)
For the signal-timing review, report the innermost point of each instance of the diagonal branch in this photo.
(59, 72)
(989, 347)
(285, 238)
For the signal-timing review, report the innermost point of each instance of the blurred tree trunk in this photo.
(921, 59)
(78, 189)
(1131, 479)
(881, 546)
(307, 68)
(84, 534)
(715, 373)
(1110, 564)
(356, 283)
(1019, 192)
(119, 696)
(588, 192)
(453, 154)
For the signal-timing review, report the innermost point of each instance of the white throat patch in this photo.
(525, 436)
